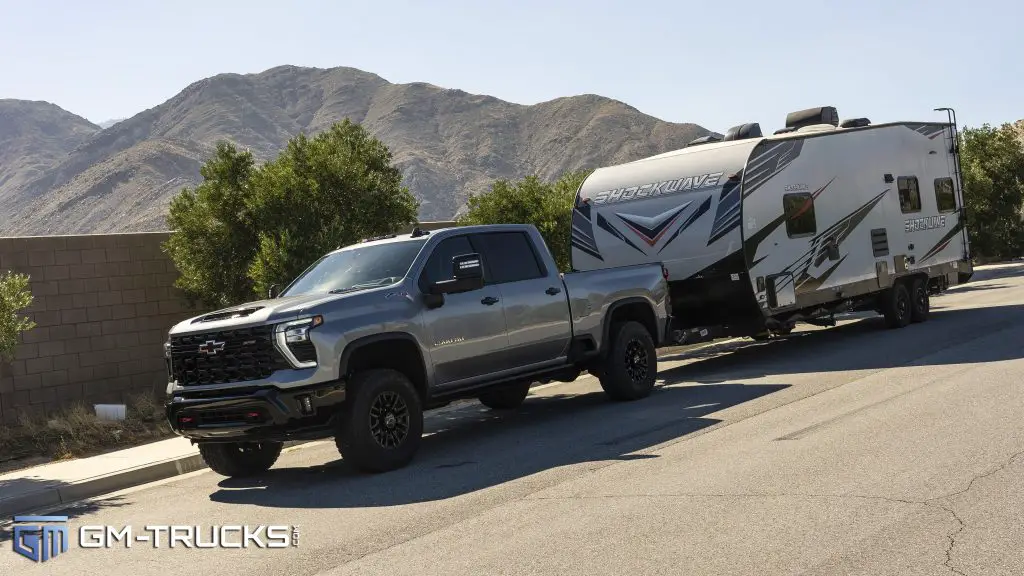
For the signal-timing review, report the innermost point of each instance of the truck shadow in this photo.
(947, 338)
(464, 454)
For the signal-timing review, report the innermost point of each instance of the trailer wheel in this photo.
(631, 365)
(240, 459)
(381, 424)
(896, 306)
(506, 397)
(921, 301)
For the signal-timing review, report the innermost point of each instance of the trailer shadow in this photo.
(945, 339)
(463, 455)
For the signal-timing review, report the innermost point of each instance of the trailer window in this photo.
(910, 194)
(945, 199)
(799, 210)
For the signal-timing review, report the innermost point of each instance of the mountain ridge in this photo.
(448, 143)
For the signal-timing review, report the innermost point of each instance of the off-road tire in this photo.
(239, 459)
(630, 367)
(896, 306)
(920, 301)
(506, 397)
(381, 424)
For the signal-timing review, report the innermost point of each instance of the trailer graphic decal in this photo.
(773, 159)
(727, 216)
(701, 181)
(818, 251)
(704, 207)
(930, 130)
(582, 236)
(603, 224)
(943, 242)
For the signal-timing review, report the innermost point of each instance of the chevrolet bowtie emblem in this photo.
(211, 347)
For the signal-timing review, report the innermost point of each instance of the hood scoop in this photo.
(227, 314)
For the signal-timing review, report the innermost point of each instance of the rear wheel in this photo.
(382, 422)
(630, 368)
(240, 458)
(506, 397)
(920, 300)
(896, 306)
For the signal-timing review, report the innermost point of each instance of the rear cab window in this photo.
(508, 257)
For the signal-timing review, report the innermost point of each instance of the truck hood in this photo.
(256, 313)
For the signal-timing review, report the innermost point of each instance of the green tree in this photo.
(215, 237)
(992, 160)
(247, 227)
(15, 296)
(332, 190)
(546, 205)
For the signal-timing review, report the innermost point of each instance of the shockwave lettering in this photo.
(926, 223)
(709, 180)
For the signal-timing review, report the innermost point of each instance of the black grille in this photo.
(303, 351)
(241, 355)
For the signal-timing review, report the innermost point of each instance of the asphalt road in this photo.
(847, 450)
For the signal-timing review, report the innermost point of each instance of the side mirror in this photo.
(467, 274)
(272, 292)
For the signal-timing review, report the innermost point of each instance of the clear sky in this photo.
(714, 62)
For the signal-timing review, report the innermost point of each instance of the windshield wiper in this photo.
(370, 284)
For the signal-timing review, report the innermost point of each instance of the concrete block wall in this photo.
(103, 305)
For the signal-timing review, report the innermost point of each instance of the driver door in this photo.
(467, 333)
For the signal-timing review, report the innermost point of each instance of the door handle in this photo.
(490, 300)
(553, 290)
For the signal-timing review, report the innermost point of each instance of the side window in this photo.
(508, 257)
(945, 198)
(910, 194)
(799, 209)
(439, 265)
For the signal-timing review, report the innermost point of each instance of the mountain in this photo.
(108, 123)
(448, 143)
(35, 136)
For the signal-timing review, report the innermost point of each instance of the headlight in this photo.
(293, 341)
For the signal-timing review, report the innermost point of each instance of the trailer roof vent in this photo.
(704, 140)
(812, 116)
(855, 123)
(743, 132)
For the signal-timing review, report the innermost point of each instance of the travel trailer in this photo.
(758, 232)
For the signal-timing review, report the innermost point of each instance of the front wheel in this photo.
(237, 459)
(631, 365)
(382, 421)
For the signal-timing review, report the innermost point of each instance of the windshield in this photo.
(357, 268)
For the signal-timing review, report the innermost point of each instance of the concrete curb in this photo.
(99, 485)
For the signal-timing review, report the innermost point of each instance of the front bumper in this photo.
(256, 414)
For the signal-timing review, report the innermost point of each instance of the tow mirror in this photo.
(272, 291)
(467, 274)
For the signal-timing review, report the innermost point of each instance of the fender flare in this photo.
(607, 328)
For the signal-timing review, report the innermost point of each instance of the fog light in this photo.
(306, 404)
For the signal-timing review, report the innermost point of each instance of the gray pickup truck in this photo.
(372, 335)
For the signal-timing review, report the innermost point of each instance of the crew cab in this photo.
(373, 334)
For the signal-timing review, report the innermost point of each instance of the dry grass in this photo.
(76, 432)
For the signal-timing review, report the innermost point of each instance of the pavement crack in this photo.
(1010, 461)
(952, 539)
